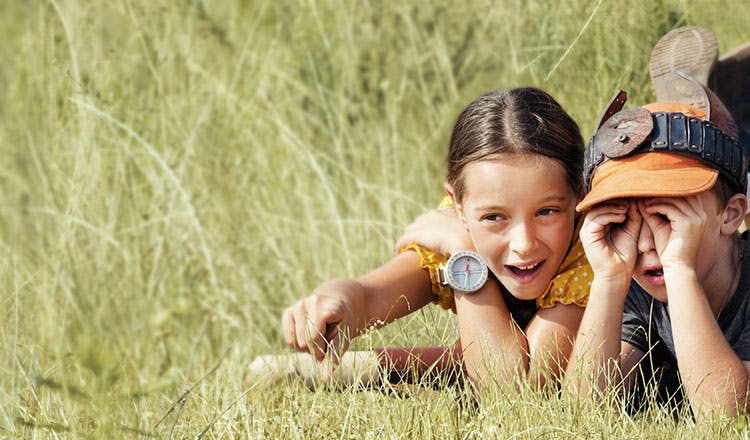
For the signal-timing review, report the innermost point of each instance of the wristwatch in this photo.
(465, 271)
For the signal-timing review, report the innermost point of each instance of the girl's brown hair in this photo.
(516, 121)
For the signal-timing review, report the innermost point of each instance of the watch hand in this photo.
(467, 271)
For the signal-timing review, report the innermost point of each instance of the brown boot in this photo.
(685, 89)
(731, 81)
(719, 114)
(691, 51)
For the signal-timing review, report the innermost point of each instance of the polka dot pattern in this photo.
(572, 283)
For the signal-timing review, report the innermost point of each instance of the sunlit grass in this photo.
(175, 173)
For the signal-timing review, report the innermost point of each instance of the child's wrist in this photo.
(611, 284)
(613, 277)
(677, 269)
(678, 273)
(458, 245)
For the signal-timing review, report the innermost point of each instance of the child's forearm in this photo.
(341, 309)
(714, 377)
(550, 335)
(594, 363)
(494, 349)
(394, 290)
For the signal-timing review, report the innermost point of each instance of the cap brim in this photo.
(629, 177)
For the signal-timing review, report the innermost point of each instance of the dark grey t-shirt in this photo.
(646, 324)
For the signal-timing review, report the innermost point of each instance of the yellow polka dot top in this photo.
(571, 285)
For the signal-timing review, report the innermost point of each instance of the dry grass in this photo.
(174, 173)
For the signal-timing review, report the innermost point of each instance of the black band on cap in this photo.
(669, 132)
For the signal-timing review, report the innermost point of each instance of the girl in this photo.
(514, 178)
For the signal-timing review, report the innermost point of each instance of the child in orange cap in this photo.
(667, 195)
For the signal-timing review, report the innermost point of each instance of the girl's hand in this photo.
(677, 225)
(610, 238)
(440, 230)
(324, 322)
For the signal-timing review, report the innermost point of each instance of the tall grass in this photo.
(174, 173)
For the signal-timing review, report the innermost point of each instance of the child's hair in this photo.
(517, 121)
(723, 190)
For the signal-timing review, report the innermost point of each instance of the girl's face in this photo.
(520, 213)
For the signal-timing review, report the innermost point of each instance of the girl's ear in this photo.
(449, 189)
(456, 204)
(734, 214)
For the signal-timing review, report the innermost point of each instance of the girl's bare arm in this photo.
(494, 348)
(341, 309)
(551, 334)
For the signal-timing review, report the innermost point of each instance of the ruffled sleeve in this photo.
(432, 261)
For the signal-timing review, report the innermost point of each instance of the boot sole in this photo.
(685, 89)
(692, 51)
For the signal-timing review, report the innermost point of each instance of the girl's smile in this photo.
(520, 213)
(525, 273)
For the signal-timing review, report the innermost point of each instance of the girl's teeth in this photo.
(527, 267)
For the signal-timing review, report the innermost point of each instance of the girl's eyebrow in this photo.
(555, 198)
(548, 199)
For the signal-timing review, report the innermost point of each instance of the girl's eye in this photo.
(492, 217)
(547, 211)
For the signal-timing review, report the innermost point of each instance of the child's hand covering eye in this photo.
(677, 225)
(610, 238)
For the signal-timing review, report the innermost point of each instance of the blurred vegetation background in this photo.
(174, 173)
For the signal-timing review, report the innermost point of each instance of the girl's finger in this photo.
(300, 327)
(287, 326)
(315, 331)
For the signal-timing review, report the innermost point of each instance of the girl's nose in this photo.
(523, 239)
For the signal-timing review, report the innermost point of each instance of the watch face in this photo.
(466, 271)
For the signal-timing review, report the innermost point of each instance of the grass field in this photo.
(174, 173)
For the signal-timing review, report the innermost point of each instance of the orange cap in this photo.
(651, 174)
